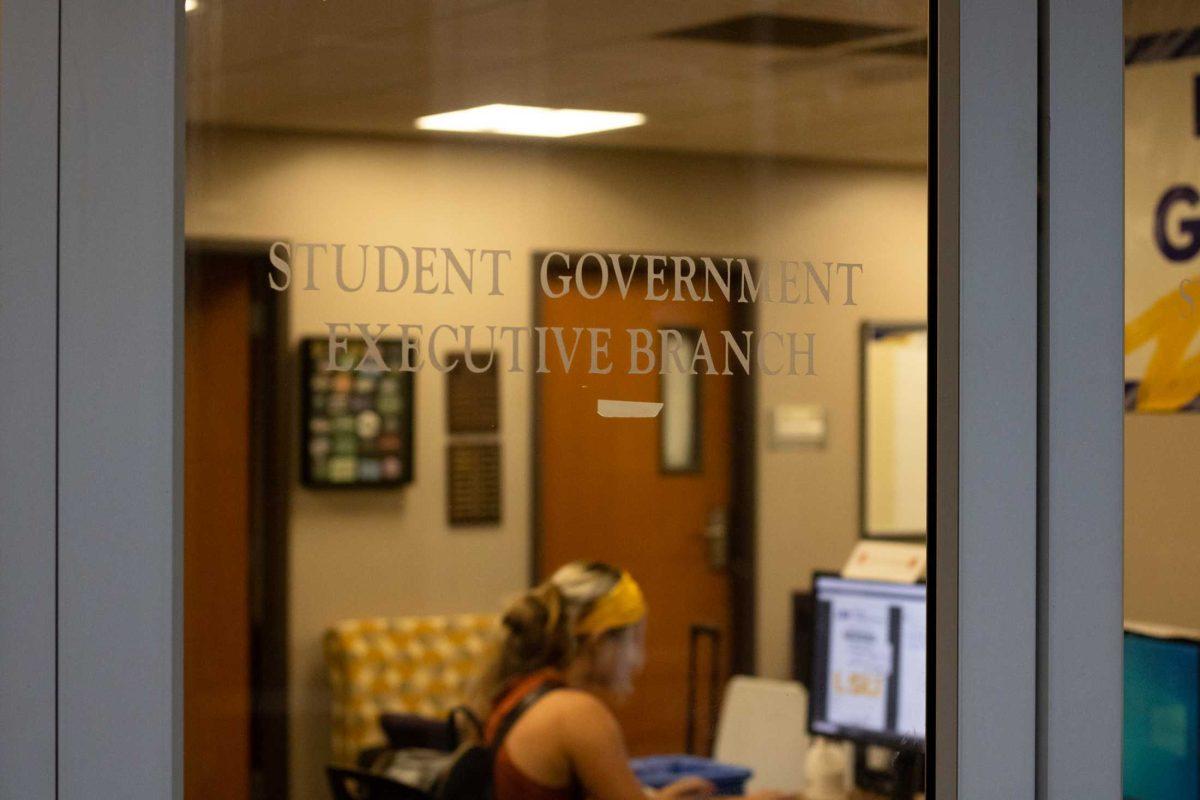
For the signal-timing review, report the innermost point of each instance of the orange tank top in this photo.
(509, 782)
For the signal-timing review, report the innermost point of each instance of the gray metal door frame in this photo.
(986, 400)
(28, 426)
(91, 348)
(1027, 446)
(1028, 451)
(1081, 400)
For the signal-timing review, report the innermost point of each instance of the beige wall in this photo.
(808, 498)
(385, 553)
(1162, 507)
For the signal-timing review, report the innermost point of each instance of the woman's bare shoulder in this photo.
(585, 725)
(572, 717)
(578, 707)
(571, 709)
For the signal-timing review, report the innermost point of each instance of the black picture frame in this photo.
(335, 453)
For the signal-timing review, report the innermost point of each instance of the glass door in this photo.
(484, 296)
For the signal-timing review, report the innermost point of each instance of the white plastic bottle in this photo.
(825, 771)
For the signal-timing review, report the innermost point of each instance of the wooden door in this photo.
(603, 494)
(216, 672)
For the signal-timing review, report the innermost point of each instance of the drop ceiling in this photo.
(818, 79)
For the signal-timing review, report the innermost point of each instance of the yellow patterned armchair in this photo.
(412, 665)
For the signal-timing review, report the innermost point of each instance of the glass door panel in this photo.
(484, 295)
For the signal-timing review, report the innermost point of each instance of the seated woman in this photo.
(580, 634)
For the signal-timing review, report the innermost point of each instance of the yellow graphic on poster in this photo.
(1162, 236)
(1171, 380)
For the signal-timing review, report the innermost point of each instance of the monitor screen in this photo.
(1162, 718)
(868, 677)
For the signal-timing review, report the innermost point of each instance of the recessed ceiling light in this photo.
(191, 5)
(529, 121)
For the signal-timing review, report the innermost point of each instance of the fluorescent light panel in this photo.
(513, 120)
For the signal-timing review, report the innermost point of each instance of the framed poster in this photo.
(356, 426)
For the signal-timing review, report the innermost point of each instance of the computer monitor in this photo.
(1162, 716)
(868, 675)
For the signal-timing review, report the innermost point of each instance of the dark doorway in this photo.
(235, 526)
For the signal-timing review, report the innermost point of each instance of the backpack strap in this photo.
(460, 718)
(517, 711)
(510, 719)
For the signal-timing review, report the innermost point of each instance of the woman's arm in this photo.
(596, 749)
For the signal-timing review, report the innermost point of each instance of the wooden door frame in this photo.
(272, 423)
(743, 465)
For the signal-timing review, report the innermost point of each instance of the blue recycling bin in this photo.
(658, 771)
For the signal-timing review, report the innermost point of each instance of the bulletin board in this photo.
(357, 425)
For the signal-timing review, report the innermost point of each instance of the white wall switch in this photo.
(798, 425)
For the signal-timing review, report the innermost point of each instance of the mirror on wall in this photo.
(894, 361)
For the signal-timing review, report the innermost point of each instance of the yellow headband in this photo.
(623, 605)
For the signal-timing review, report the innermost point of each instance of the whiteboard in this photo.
(895, 365)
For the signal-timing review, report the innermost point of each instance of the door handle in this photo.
(716, 534)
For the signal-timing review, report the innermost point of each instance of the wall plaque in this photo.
(473, 484)
(473, 398)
